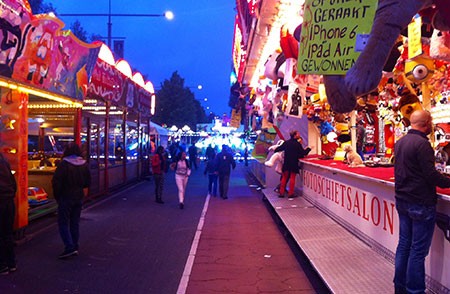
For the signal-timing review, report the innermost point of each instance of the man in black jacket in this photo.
(224, 163)
(293, 151)
(8, 190)
(70, 183)
(416, 179)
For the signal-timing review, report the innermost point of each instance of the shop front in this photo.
(56, 89)
(280, 77)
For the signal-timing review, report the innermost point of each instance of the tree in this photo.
(79, 31)
(96, 37)
(40, 6)
(176, 104)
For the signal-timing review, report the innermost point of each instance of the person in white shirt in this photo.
(182, 172)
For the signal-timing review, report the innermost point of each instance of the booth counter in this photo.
(362, 200)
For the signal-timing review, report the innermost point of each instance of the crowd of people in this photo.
(218, 168)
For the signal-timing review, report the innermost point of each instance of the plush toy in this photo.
(352, 158)
(273, 68)
(419, 69)
(440, 46)
(407, 105)
(277, 158)
(390, 18)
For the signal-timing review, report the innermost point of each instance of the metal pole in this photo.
(109, 26)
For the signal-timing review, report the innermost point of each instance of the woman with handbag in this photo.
(182, 172)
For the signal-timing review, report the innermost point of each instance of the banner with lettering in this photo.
(333, 34)
(367, 206)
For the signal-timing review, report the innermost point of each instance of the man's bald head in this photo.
(421, 120)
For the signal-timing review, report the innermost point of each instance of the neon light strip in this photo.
(39, 93)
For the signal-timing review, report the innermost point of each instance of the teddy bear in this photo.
(390, 18)
(277, 158)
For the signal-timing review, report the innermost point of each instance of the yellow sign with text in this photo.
(415, 37)
(334, 32)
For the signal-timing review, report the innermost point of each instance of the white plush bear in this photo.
(276, 159)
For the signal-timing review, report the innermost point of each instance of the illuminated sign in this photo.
(333, 34)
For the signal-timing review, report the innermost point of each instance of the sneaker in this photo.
(67, 253)
(160, 201)
(4, 270)
(281, 196)
(292, 196)
(181, 205)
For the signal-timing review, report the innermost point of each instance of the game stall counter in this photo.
(362, 200)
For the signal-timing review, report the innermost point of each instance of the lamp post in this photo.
(168, 15)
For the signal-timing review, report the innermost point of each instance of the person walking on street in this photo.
(70, 184)
(193, 156)
(8, 188)
(246, 155)
(182, 173)
(211, 171)
(159, 164)
(293, 151)
(416, 179)
(225, 162)
(210, 152)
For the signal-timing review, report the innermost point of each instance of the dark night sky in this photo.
(197, 42)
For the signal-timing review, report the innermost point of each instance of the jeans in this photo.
(416, 232)
(224, 181)
(7, 214)
(181, 184)
(69, 223)
(212, 184)
(159, 183)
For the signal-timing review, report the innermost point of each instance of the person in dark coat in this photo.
(224, 162)
(211, 171)
(210, 152)
(293, 151)
(8, 188)
(193, 154)
(70, 182)
(159, 166)
(416, 179)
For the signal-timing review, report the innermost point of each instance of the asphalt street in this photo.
(131, 244)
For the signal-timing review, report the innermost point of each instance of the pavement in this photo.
(130, 244)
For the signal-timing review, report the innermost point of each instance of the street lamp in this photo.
(168, 15)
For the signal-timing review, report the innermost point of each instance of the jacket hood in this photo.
(75, 160)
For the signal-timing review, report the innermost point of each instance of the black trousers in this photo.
(224, 182)
(159, 183)
(7, 214)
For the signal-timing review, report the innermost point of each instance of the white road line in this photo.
(190, 261)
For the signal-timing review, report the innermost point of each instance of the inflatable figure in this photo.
(390, 18)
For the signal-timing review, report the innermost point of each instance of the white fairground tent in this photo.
(160, 133)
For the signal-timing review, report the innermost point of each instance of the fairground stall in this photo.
(56, 89)
(282, 51)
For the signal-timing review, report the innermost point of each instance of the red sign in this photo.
(106, 83)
